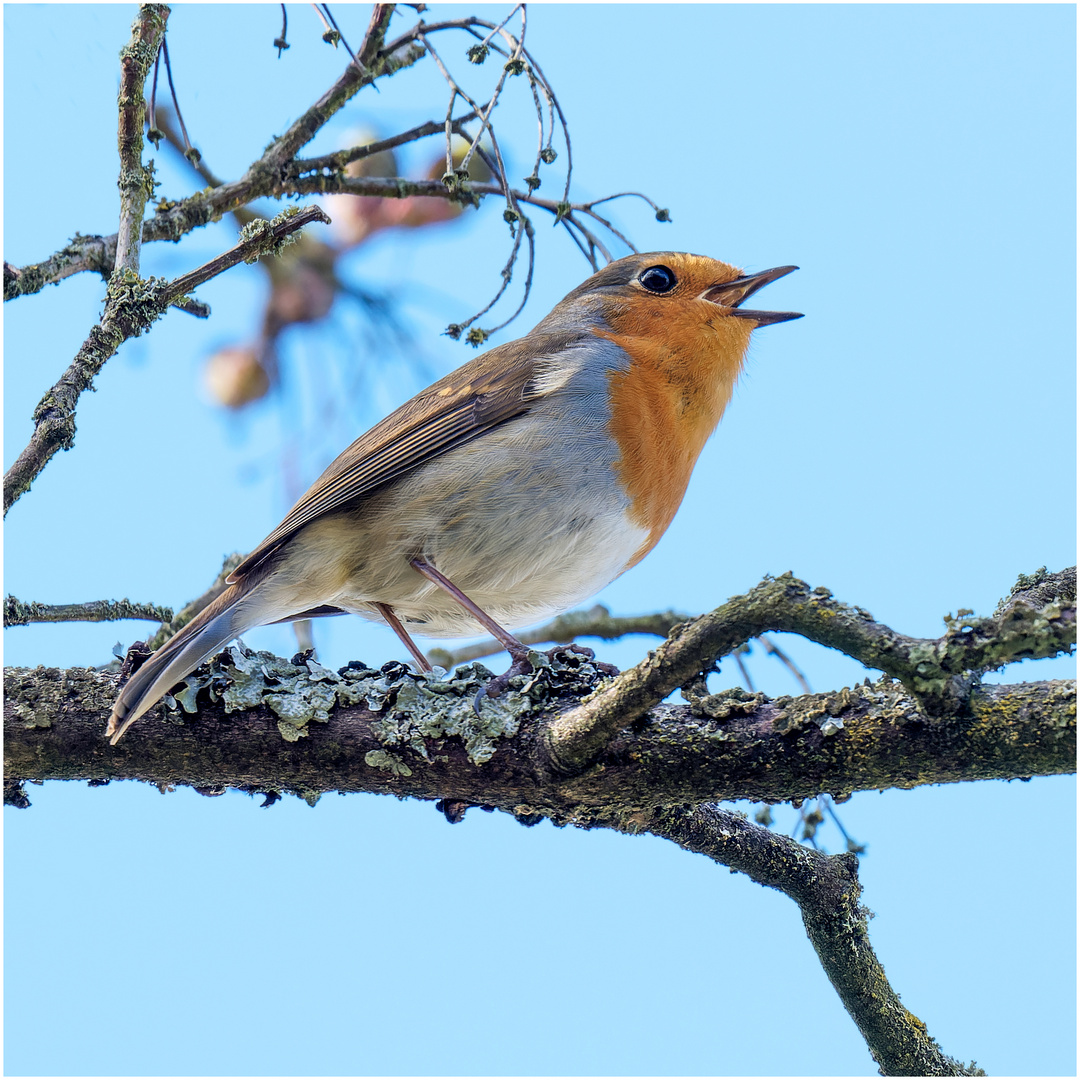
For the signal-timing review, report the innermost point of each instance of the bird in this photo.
(513, 488)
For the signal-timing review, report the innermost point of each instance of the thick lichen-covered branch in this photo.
(392, 730)
(132, 306)
(827, 890)
(939, 673)
(22, 613)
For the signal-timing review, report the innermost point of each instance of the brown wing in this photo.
(478, 396)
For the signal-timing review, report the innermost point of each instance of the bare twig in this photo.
(21, 613)
(356, 76)
(189, 151)
(337, 30)
(336, 162)
(279, 42)
(276, 173)
(773, 649)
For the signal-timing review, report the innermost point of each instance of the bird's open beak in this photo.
(732, 293)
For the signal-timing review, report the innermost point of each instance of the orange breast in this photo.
(685, 360)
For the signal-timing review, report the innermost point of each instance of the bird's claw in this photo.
(520, 666)
(523, 666)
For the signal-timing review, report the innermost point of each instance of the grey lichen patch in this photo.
(417, 707)
(440, 706)
(298, 694)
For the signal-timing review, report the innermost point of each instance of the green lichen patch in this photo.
(380, 759)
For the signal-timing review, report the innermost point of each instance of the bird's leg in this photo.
(507, 640)
(519, 652)
(387, 612)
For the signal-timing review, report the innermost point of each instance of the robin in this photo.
(512, 489)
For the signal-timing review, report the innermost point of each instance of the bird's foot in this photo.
(563, 652)
(559, 658)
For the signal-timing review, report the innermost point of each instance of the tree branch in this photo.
(132, 306)
(340, 159)
(136, 180)
(97, 253)
(939, 673)
(275, 174)
(827, 890)
(174, 220)
(396, 732)
(19, 613)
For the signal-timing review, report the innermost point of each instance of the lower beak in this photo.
(732, 293)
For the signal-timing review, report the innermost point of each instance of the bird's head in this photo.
(665, 294)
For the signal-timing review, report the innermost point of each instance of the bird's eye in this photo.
(658, 279)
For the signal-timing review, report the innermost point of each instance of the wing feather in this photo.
(482, 394)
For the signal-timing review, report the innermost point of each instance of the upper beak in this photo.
(732, 293)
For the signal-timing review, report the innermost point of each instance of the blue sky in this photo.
(909, 444)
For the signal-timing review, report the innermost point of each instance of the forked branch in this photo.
(132, 306)
(940, 673)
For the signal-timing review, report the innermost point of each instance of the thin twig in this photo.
(337, 30)
(276, 173)
(279, 42)
(189, 150)
(337, 161)
(355, 77)
(596, 622)
(153, 134)
(774, 650)
(22, 613)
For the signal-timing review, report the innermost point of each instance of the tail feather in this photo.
(213, 627)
